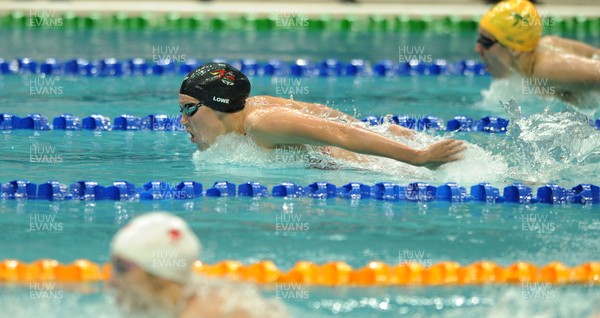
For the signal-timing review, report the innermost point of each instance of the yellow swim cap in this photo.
(515, 23)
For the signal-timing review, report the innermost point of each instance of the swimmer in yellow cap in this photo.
(510, 43)
(152, 275)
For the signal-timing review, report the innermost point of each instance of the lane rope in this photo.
(413, 192)
(337, 273)
(162, 122)
(251, 67)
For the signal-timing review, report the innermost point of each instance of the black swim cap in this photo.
(219, 86)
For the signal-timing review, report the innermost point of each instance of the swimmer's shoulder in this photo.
(260, 108)
(231, 300)
(549, 46)
(561, 46)
(264, 100)
(549, 40)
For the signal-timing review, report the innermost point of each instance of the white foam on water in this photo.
(547, 140)
(235, 149)
(27, 304)
(550, 146)
(533, 101)
(478, 165)
(541, 300)
(58, 303)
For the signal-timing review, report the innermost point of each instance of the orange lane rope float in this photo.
(338, 273)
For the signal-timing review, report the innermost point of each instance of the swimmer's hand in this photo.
(441, 152)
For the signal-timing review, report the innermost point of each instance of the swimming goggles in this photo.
(120, 266)
(190, 109)
(486, 42)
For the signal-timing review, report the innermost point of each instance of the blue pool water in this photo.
(285, 44)
(546, 142)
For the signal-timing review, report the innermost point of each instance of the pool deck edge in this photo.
(267, 9)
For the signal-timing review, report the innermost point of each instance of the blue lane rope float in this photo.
(413, 192)
(157, 122)
(162, 122)
(251, 67)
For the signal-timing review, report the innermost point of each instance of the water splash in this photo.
(519, 88)
(544, 300)
(550, 146)
(242, 151)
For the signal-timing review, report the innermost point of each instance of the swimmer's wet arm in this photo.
(293, 128)
(572, 72)
(328, 112)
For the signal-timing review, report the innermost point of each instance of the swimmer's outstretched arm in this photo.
(293, 127)
(573, 72)
(325, 111)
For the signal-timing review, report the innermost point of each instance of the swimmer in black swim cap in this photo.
(273, 122)
(216, 85)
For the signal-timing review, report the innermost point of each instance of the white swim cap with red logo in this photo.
(160, 243)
